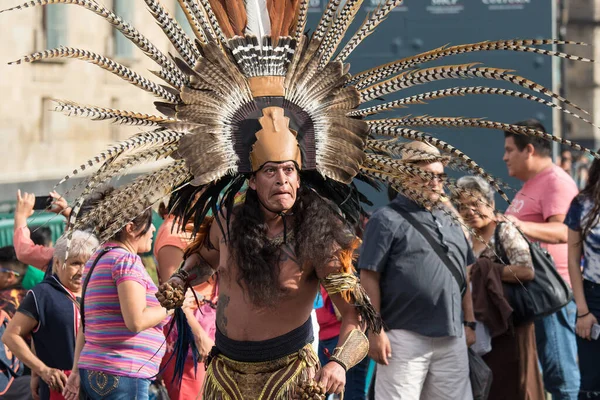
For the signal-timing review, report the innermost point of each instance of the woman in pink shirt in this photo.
(119, 346)
(171, 241)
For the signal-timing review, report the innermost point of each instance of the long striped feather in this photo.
(302, 17)
(427, 75)
(378, 73)
(368, 27)
(105, 63)
(173, 31)
(130, 200)
(212, 20)
(325, 21)
(457, 122)
(201, 28)
(423, 98)
(443, 146)
(125, 28)
(339, 27)
(100, 113)
(139, 140)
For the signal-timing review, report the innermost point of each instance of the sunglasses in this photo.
(9, 270)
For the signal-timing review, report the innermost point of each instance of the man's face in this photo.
(276, 185)
(8, 277)
(515, 159)
(432, 189)
(70, 276)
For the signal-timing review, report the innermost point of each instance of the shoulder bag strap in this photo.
(499, 247)
(87, 281)
(460, 280)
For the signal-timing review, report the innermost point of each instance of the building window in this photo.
(55, 25)
(182, 20)
(123, 47)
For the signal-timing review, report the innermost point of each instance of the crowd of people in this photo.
(436, 269)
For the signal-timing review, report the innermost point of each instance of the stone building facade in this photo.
(582, 80)
(39, 146)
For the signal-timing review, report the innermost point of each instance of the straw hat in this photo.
(420, 151)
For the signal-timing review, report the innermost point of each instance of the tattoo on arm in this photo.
(222, 304)
(197, 269)
(200, 273)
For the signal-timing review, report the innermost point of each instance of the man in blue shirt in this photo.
(422, 353)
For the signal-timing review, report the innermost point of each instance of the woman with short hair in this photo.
(50, 314)
(513, 356)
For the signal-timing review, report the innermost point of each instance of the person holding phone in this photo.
(27, 251)
(583, 220)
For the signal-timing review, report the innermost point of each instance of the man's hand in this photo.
(332, 377)
(24, 208)
(470, 336)
(71, 390)
(380, 348)
(205, 345)
(171, 294)
(584, 326)
(516, 221)
(34, 385)
(59, 204)
(54, 378)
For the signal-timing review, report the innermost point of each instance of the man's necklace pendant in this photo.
(278, 240)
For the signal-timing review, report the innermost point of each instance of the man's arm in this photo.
(27, 251)
(553, 231)
(467, 307)
(198, 266)
(380, 348)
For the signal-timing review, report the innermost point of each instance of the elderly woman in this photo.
(50, 314)
(121, 346)
(513, 358)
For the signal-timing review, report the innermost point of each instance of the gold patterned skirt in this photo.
(279, 379)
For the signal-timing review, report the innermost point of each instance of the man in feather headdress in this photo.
(272, 254)
(249, 67)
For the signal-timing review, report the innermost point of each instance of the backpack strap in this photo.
(87, 281)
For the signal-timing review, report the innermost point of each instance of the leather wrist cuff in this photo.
(352, 351)
(182, 274)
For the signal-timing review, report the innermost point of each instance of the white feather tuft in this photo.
(259, 23)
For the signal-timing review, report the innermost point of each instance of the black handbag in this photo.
(544, 295)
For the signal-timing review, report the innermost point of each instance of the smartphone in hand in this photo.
(42, 202)
(595, 331)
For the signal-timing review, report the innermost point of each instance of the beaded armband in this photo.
(352, 351)
(348, 286)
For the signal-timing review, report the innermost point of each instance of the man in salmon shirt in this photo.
(539, 210)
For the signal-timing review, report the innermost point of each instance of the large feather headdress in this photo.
(251, 86)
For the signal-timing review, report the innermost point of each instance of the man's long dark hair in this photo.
(592, 193)
(317, 231)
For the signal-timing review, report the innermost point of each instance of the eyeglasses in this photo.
(9, 270)
(431, 176)
(439, 177)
